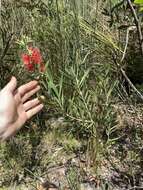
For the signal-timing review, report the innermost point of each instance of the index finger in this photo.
(27, 87)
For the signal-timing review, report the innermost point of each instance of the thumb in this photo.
(12, 84)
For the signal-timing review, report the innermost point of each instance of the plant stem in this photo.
(138, 25)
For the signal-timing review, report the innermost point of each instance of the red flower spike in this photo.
(26, 59)
(30, 67)
(35, 55)
(33, 58)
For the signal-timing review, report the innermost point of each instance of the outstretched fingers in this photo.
(31, 104)
(27, 87)
(34, 110)
(30, 93)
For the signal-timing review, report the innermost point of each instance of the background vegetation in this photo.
(90, 133)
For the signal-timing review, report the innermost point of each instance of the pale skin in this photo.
(16, 106)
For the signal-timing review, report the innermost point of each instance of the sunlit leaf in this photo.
(138, 1)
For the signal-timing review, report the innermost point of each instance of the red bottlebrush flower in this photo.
(33, 58)
(35, 55)
(27, 62)
(30, 67)
(26, 59)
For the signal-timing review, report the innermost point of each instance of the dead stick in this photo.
(137, 22)
(131, 84)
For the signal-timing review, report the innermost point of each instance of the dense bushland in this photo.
(91, 88)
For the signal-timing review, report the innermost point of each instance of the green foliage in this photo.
(82, 43)
(73, 178)
(138, 1)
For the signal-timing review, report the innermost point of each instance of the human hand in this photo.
(15, 106)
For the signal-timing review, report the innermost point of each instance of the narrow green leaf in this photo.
(84, 77)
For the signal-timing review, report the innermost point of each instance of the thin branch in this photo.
(128, 80)
(138, 25)
(130, 28)
(131, 84)
(6, 47)
(135, 187)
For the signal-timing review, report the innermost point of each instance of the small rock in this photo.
(87, 186)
